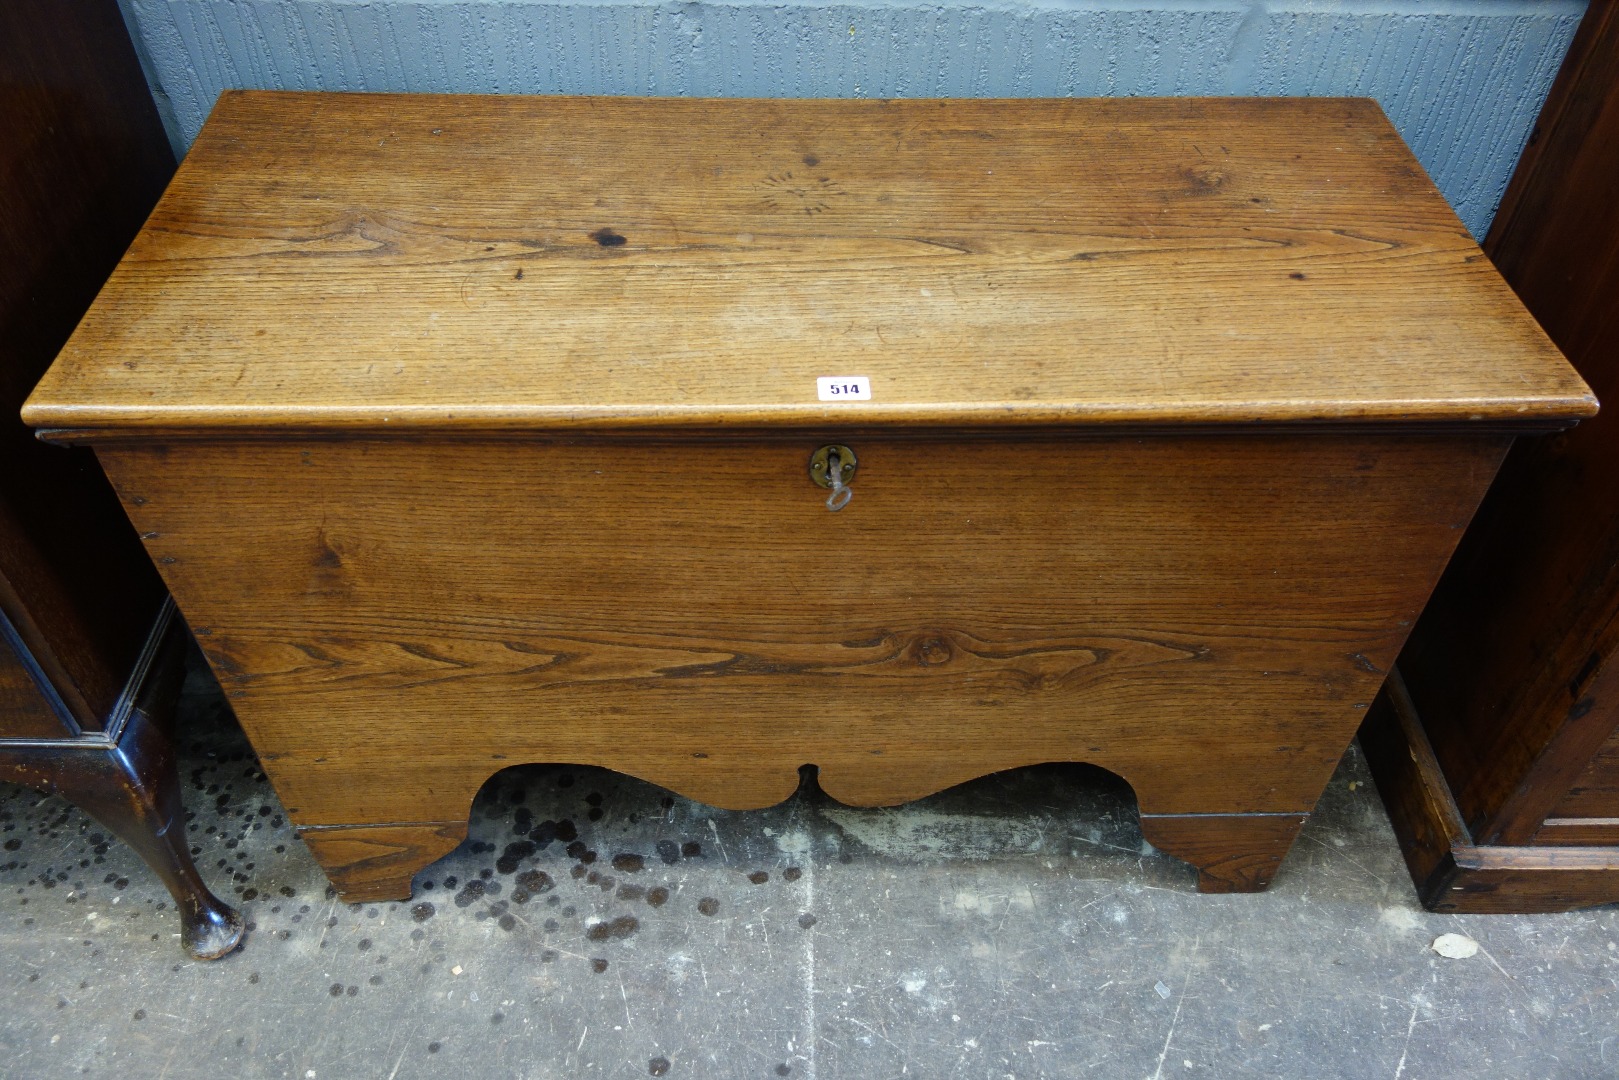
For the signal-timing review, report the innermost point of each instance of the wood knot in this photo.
(932, 651)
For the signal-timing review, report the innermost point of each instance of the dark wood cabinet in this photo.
(1498, 754)
(90, 650)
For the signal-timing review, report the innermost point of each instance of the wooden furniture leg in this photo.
(377, 862)
(1236, 852)
(129, 782)
(1232, 852)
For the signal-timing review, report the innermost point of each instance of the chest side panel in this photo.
(1208, 616)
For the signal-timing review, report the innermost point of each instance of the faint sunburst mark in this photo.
(810, 194)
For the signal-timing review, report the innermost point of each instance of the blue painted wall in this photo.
(1462, 79)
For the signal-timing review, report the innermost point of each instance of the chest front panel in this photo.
(1177, 608)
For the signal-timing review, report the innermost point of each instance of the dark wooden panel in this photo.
(82, 161)
(26, 708)
(1580, 832)
(1420, 806)
(1519, 880)
(1512, 666)
(1452, 873)
(1595, 794)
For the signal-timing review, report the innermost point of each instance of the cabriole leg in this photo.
(133, 790)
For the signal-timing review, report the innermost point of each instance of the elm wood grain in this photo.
(395, 621)
(1232, 852)
(392, 262)
(376, 862)
(389, 386)
(1513, 666)
(1451, 872)
(82, 161)
(126, 779)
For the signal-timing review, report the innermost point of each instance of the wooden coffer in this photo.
(472, 431)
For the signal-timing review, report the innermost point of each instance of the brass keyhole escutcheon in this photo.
(823, 457)
(833, 468)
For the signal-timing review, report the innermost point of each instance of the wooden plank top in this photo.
(378, 262)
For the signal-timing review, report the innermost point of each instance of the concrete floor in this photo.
(1013, 927)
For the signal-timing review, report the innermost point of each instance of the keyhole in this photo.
(833, 467)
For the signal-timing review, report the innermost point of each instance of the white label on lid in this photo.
(843, 388)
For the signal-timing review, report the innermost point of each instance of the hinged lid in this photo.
(377, 262)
